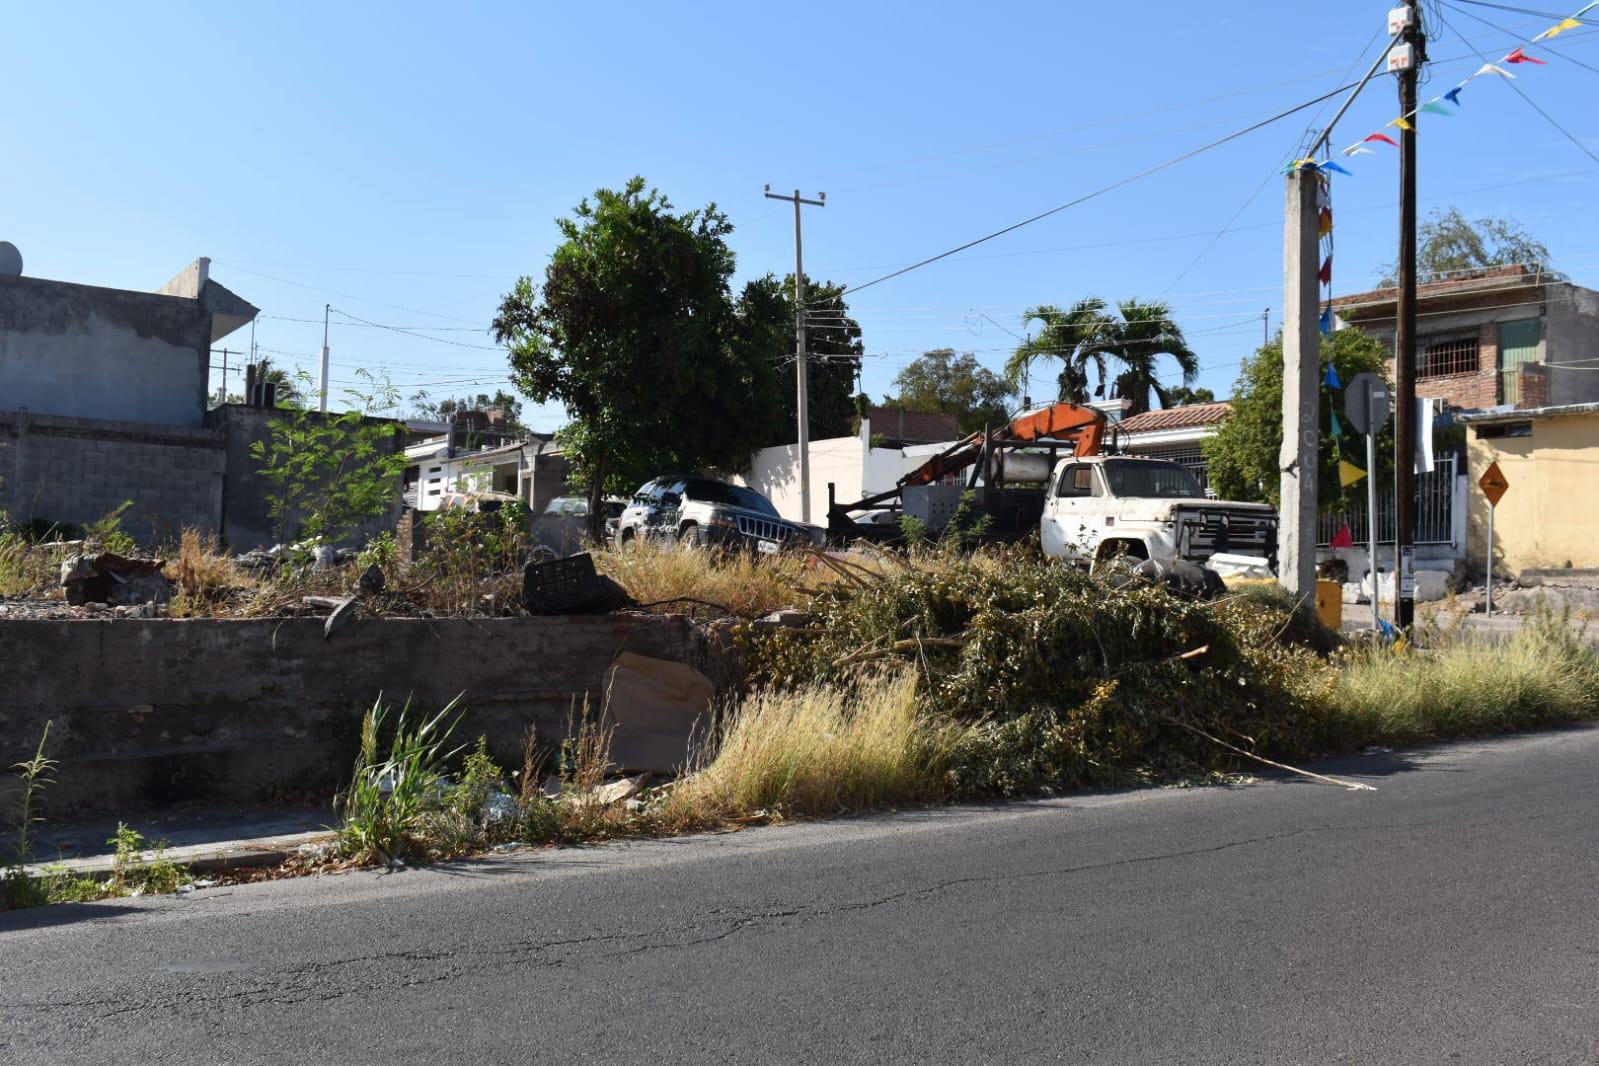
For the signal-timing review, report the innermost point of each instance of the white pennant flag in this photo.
(1489, 68)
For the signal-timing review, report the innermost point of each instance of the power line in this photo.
(420, 336)
(1527, 11)
(343, 295)
(1551, 49)
(1584, 149)
(1097, 193)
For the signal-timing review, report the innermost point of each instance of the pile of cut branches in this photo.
(1070, 680)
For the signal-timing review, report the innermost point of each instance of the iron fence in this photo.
(1435, 509)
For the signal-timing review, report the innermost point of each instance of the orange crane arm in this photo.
(1060, 421)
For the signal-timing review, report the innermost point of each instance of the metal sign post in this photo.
(1367, 406)
(1494, 485)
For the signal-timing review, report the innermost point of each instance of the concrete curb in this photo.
(218, 857)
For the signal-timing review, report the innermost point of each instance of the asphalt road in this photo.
(1447, 917)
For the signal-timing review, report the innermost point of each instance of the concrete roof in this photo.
(1522, 414)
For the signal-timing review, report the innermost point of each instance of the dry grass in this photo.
(26, 568)
(746, 584)
(1467, 685)
(204, 574)
(821, 751)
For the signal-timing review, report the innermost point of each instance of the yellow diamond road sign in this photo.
(1493, 484)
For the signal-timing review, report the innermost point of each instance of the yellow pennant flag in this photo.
(1556, 31)
(1402, 124)
(1349, 473)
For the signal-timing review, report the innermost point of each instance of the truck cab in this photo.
(1101, 507)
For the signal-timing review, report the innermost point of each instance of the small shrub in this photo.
(133, 874)
(384, 810)
(106, 534)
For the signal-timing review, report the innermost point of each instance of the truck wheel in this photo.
(691, 536)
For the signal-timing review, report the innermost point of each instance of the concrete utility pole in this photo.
(325, 309)
(802, 406)
(1265, 327)
(1405, 332)
(1300, 456)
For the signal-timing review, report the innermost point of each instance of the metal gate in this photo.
(1435, 509)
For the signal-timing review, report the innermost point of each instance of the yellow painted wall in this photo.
(1550, 515)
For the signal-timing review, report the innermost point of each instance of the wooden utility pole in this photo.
(1300, 456)
(802, 405)
(1405, 332)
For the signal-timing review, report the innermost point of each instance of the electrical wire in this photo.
(1551, 49)
(1528, 11)
(1097, 193)
(420, 336)
(1584, 149)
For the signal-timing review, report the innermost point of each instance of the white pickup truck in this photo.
(1103, 507)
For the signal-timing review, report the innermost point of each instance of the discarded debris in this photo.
(115, 580)
(570, 586)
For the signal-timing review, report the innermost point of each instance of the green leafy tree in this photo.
(327, 474)
(946, 383)
(445, 410)
(1243, 455)
(634, 331)
(766, 320)
(1182, 396)
(1093, 344)
(1449, 243)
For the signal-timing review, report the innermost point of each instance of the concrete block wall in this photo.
(76, 470)
(148, 714)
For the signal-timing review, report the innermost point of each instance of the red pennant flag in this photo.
(1343, 538)
(1326, 272)
(1384, 138)
(1518, 56)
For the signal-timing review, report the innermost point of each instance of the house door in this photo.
(1518, 343)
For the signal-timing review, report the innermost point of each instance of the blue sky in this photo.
(405, 162)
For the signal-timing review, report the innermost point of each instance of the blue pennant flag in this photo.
(1332, 379)
(1453, 96)
(1327, 322)
(1334, 167)
(1337, 426)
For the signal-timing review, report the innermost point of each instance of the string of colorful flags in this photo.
(1437, 106)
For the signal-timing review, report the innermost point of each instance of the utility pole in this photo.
(325, 309)
(802, 405)
(222, 393)
(1299, 458)
(1405, 331)
(1265, 327)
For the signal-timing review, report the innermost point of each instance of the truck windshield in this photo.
(707, 491)
(1143, 477)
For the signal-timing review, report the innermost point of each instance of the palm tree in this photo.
(1087, 335)
(1145, 333)
(1079, 337)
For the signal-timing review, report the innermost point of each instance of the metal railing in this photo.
(1435, 509)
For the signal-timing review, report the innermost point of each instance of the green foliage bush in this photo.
(1071, 681)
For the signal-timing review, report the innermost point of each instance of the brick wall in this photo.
(77, 469)
(1474, 390)
(1534, 382)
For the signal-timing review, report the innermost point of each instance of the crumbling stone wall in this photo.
(161, 712)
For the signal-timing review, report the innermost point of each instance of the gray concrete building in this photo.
(103, 400)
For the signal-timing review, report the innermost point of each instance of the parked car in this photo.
(563, 526)
(706, 512)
